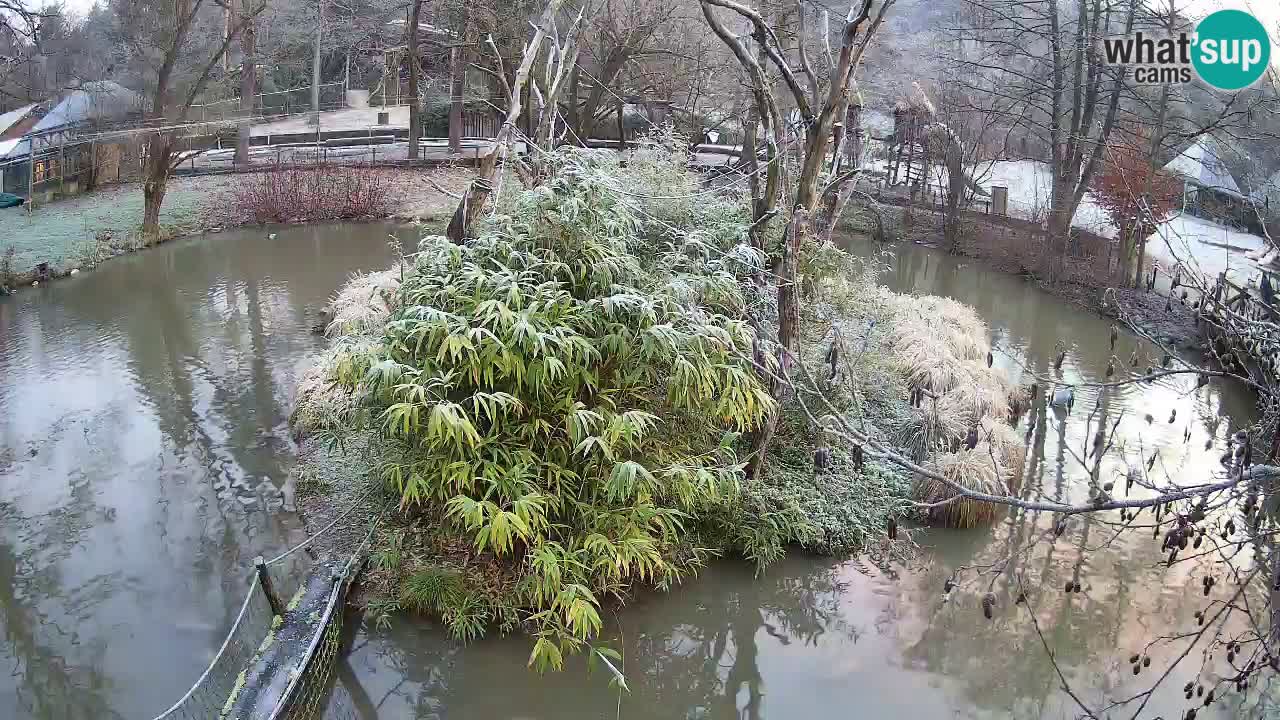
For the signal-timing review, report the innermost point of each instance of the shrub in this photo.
(573, 413)
(325, 192)
(7, 279)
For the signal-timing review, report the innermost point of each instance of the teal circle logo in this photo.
(1232, 49)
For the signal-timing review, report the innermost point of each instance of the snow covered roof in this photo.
(9, 147)
(100, 100)
(424, 27)
(1200, 165)
(9, 119)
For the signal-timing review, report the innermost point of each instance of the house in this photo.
(45, 141)
(1208, 189)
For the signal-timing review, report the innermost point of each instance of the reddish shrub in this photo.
(325, 192)
(1128, 181)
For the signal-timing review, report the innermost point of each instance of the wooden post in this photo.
(264, 579)
(622, 129)
(31, 172)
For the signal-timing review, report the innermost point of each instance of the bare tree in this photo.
(248, 74)
(473, 201)
(177, 45)
(621, 34)
(819, 182)
(1045, 61)
(19, 42)
(967, 139)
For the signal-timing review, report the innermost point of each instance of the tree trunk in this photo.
(1140, 238)
(155, 184)
(1061, 212)
(457, 81)
(1127, 246)
(572, 112)
(248, 84)
(788, 332)
(853, 131)
(315, 68)
(415, 106)
(788, 286)
(622, 127)
(468, 210)
(748, 152)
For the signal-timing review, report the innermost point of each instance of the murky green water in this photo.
(143, 434)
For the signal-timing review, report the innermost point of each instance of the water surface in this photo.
(143, 438)
(837, 637)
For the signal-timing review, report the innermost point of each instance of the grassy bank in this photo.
(80, 232)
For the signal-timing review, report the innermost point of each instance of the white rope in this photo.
(321, 626)
(322, 531)
(253, 585)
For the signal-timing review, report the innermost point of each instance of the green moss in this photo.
(235, 693)
(296, 600)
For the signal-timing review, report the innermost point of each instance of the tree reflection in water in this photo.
(693, 653)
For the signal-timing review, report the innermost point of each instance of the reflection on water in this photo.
(143, 439)
(819, 637)
(143, 436)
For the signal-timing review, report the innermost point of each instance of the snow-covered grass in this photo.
(61, 232)
(1203, 244)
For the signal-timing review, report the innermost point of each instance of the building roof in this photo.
(11, 118)
(9, 147)
(1200, 165)
(99, 100)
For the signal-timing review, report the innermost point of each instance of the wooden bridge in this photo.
(278, 659)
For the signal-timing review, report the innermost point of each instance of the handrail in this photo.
(253, 585)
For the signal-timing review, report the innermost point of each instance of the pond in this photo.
(144, 436)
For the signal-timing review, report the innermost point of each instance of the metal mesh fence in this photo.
(311, 696)
(282, 102)
(208, 696)
(61, 169)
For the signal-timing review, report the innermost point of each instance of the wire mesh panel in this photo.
(209, 696)
(312, 693)
(341, 704)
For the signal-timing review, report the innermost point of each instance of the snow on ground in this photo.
(1200, 243)
(1211, 247)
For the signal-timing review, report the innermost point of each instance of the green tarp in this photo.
(8, 200)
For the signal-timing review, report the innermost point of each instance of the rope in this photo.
(253, 585)
(322, 531)
(322, 625)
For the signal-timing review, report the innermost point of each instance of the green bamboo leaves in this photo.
(564, 404)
